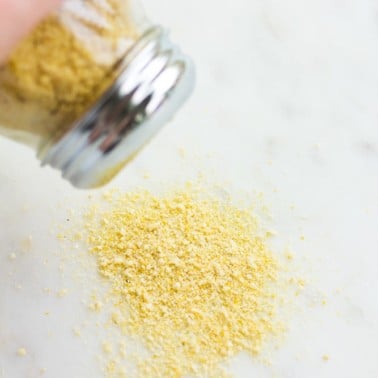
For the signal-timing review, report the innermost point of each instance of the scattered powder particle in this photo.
(21, 352)
(62, 293)
(122, 350)
(43, 370)
(78, 236)
(302, 237)
(193, 279)
(27, 243)
(12, 256)
(270, 234)
(325, 358)
(301, 282)
(182, 152)
(107, 347)
(107, 196)
(96, 306)
(114, 370)
(76, 331)
(289, 256)
(61, 236)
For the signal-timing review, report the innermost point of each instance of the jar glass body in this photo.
(64, 66)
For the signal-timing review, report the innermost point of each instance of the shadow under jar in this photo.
(90, 86)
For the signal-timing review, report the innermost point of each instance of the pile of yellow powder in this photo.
(192, 277)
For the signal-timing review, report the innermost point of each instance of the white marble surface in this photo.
(286, 103)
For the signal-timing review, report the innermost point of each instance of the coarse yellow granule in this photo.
(95, 306)
(62, 293)
(76, 331)
(27, 244)
(21, 352)
(12, 256)
(192, 278)
(107, 347)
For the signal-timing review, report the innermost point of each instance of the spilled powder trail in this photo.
(191, 277)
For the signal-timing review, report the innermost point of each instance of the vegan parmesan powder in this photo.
(191, 276)
(62, 68)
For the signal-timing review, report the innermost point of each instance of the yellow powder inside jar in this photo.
(192, 276)
(53, 76)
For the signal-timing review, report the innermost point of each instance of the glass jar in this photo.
(90, 86)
